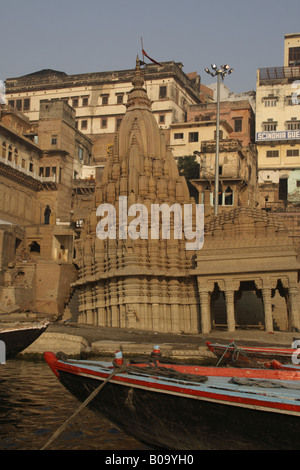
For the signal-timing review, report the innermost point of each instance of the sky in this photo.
(81, 36)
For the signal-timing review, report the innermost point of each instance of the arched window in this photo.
(10, 153)
(35, 247)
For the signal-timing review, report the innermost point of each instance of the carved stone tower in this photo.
(138, 282)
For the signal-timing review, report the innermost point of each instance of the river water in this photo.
(33, 405)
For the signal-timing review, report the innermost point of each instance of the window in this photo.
(162, 92)
(178, 135)
(298, 184)
(228, 200)
(293, 125)
(193, 136)
(31, 167)
(270, 102)
(292, 153)
(26, 104)
(105, 99)
(54, 140)
(294, 56)
(272, 153)
(84, 124)
(41, 171)
(120, 98)
(11, 103)
(23, 163)
(19, 105)
(9, 153)
(80, 153)
(85, 101)
(75, 102)
(47, 171)
(161, 119)
(270, 126)
(103, 123)
(238, 125)
(220, 135)
(282, 190)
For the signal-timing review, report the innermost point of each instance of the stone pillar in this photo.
(229, 296)
(205, 309)
(266, 293)
(294, 315)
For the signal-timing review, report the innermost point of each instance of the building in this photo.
(37, 167)
(237, 155)
(100, 98)
(156, 283)
(278, 130)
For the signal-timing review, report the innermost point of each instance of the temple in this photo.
(246, 271)
(145, 282)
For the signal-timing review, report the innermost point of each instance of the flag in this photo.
(152, 60)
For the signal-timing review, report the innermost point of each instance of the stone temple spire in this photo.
(138, 282)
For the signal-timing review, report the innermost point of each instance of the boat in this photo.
(186, 407)
(17, 337)
(247, 356)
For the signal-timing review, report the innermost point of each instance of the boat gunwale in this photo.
(231, 397)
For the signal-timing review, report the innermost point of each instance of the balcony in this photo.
(24, 176)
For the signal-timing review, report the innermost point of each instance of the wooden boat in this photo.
(18, 337)
(247, 356)
(177, 407)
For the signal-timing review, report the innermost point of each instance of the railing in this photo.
(26, 171)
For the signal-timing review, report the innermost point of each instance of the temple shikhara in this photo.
(138, 283)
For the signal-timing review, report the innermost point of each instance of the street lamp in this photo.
(219, 72)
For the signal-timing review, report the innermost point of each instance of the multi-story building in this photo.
(37, 169)
(278, 129)
(237, 156)
(100, 98)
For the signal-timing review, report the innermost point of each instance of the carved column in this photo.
(290, 284)
(229, 287)
(294, 315)
(229, 296)
(266, 293)
(204, 294)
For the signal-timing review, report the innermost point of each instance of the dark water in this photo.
(33, 405)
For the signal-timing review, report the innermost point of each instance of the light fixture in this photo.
(221, 72)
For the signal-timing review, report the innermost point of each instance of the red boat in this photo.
(247, 356)
(184, 407)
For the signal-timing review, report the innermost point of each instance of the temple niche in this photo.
(139, 280)
(156, 283)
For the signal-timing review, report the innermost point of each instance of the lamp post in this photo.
(219, 72)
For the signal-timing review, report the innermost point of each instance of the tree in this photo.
(190, 169)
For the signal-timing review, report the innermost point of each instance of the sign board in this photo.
(277, 135)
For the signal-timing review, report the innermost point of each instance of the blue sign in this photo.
(278, 135)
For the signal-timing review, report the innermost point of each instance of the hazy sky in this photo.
(79, 36)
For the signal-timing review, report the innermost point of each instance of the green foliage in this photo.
(190, 169)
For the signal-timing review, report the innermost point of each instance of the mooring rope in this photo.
(117, 370)
(235, 355)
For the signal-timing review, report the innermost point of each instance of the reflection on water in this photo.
(33, 405)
